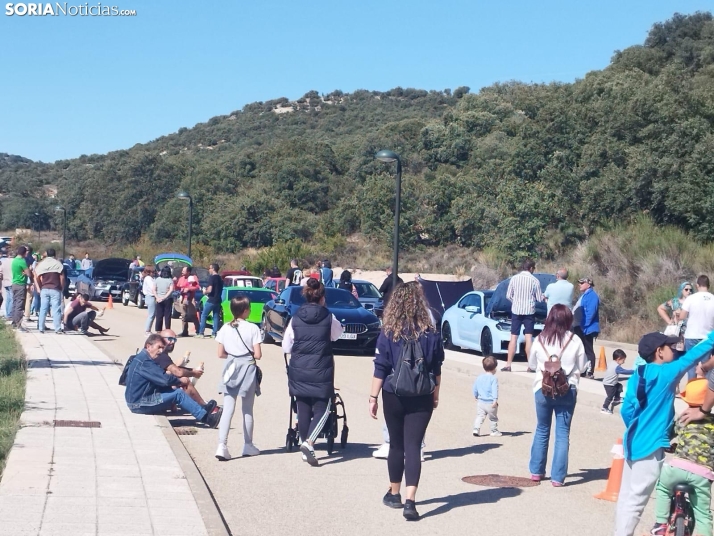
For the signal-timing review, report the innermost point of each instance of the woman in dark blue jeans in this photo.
(557, 340)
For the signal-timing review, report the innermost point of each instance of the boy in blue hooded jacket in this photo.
(648, 411)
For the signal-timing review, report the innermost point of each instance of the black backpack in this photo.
(122, 378)
(410, 377)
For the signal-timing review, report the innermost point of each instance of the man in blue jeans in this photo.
(213, 302)
(698, 310)
(151, 391)
(49, 282)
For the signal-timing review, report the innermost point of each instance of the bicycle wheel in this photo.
(680, 527)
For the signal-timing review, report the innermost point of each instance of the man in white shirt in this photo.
(86, 263)
(698, 309)
(523, 293)
(560, 292)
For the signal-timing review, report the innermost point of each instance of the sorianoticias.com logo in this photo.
(64, 9)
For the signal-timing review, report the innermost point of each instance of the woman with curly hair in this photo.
(406, 318)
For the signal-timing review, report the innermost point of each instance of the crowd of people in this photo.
(37, 285)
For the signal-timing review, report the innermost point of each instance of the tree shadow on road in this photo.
(469, 498)
(462, 451)
(588, 475)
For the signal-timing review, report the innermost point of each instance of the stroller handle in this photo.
(285, 357)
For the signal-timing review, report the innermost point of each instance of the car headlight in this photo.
(503, 326)
(375, 325)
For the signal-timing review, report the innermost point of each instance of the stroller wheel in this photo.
(330, 445)
(343, 436)
(290, 441)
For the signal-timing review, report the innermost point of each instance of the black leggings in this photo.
(312, 414)
(407, 419)
(164, 310)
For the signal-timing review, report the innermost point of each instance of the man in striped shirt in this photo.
(523, 292)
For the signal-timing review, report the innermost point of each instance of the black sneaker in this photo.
(212, 419)
(410, 512)
(393, 500)
(210, 406)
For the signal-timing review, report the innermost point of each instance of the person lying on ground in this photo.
(76, 316)
(167, 364)
(151, 391)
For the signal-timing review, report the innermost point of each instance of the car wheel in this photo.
(486, 342)
(267, 339)
(125, 298)
(446, 336)
(140, 303)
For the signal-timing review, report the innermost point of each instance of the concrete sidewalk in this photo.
(122, 478)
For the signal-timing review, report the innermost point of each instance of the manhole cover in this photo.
(77, 424)
(500, 481)
(185, 431)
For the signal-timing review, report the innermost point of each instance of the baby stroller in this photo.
(329, 431)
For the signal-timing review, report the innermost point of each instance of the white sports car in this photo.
(476, 323)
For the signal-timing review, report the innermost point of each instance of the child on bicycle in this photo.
(648, 412)
(693, 464)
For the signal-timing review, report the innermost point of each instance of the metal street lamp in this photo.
(37, 221)
(64, 229)
(184, 195)
(390, 156)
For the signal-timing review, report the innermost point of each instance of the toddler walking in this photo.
(486, 394)
(611, 381)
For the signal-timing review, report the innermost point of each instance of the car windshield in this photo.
(486, 298)
(334, 297)
(367, 290)
(255, 296)
(74, 273)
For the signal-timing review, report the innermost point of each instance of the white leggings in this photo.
(229, 407)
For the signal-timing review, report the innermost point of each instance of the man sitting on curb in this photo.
(167, 364)
(150, 390)
(77, 316)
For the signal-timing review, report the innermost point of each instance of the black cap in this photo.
(649, 343)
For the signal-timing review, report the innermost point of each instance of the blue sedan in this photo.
(361, 326)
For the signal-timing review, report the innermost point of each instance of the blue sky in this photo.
(83, 85)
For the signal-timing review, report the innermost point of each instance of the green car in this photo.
(257, 296)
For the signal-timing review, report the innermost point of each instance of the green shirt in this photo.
(19, 265)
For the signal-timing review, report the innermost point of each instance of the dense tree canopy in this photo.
(523, 168)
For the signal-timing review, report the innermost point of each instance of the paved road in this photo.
(276, 492)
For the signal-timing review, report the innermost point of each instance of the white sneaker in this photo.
(308, 454)
(496, 434)
(250, 450)
(382, 452)
(222, 453)
(476, 432)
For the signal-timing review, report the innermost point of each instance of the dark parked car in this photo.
(108, 277)
(361, 326)
(131, 291)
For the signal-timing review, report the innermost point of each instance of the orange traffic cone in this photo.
(110, 303)
(601, 362)
(612, 490)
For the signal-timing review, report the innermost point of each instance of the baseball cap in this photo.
(650, 342)
(694, 392)
(586, 280)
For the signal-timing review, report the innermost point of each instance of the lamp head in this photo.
(183, 195)
(58, 208)
(386, 155)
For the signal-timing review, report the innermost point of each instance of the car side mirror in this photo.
(474, 309)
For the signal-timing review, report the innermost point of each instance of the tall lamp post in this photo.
(64, 229)
(390, 156)
(184, 195)
(37, 221)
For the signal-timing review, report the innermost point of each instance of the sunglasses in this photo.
(172, 340)
(687, 290)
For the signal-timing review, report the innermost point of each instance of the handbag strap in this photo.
(252, 354)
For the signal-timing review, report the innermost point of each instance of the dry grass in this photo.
(12, 390)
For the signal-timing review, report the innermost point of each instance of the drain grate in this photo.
(77, 424)
(185, 431)
(500, 481)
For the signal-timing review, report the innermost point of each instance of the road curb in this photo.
(212, 517)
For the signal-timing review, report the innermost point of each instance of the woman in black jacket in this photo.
(311, 373)
(406, 318)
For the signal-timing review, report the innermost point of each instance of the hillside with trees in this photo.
(524, 169)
